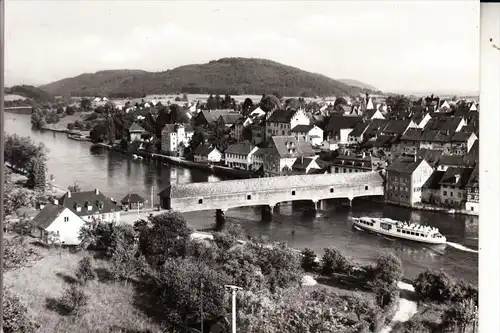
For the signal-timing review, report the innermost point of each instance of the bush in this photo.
(88, 126)
(309, 263)
(70, 110)
(85, 270)
(78, 124)
(52, 118)
(224, 241)
(74, 300)
(15, 315)
(389, 270)
(335, 262)
(438, 287)
(70, 126)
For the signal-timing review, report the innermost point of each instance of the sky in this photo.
(410, 46)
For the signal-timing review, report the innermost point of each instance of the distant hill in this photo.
(359, 84)
(235, 76)
(30, 92)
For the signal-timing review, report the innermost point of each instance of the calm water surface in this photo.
(116, 175)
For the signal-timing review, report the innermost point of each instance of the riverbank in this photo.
(432, 208)
(210, 168)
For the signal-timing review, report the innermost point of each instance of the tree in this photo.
(74, 188)
(459, 316)
(70, 110)
(60, 109)
(339, 101)
(38, 119)
(74, 300)
(167, 235)
(211, 103)
(19, 151)
(86, 104)
(389, 270)
(309, 263)
(438, 287)
(292, 103)
(177, 290)
(99, 133)
(270, 103)
(247, 105)
(85, 270)
(36, 174)
(15, 315)
(335, 262)
(70, 126)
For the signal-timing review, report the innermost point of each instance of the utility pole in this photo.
(234, 289)
(201, 306)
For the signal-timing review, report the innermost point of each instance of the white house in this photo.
(281, 122)
(239, 155)
(57, 224)
(310, 133)
(90, 205)
(173, 135)
(207, 154)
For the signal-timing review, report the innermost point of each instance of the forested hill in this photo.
(227, 75)
(30, 92)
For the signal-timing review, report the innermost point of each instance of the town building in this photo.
(207, 154)
(306, 165)
(355, 163)
(239, 155)
(136, 132)
(472, 191)
(285, 150)
(372, 114)
(309, 133)
(281, 122)
(132, 201)
(405, 179)
(453, 187)
(206, 118)
(431, 190)
(175, 137)
(57, 224)
(339, 127)
(90, 205)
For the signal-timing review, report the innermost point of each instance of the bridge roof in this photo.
(268, 184)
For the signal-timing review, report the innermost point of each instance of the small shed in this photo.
(133, 201)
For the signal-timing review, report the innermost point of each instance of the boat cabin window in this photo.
(385, 226)
(412, 233)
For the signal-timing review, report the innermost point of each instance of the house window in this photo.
(200, 201)
(332, 189)
(249, 196)
(451, 194)
(293, 192)
(472, 208)
(66, 219)
(366, 187)
(445, 193)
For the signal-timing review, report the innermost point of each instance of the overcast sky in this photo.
(393, 45)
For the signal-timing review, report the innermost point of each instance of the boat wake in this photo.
(461, 247)
(358, 229)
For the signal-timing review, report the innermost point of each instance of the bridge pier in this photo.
(319, 205)
(350, 201)
(267, 213)
(220, 218)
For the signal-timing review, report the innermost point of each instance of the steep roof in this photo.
(474, 178)
(405, 164)
(433, 182)
(375, 126)
(302, 163)
(443, 124)
(358, 130)
(455, 160)
(132, 198)
(289, 146)
(263, 151)
(431, 156)
(461, 136)
(211, 116)
(456, 176)
(412, 134)
(268, 184)
(397, 126)
(135, 127)
(281, 116)
(230, 119)
(92, 198)
(336, 123)
(302, 128)
(240, 149)
(383, 141)
(47, 215)
(203, 150)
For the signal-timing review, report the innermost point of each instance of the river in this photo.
(116, 175)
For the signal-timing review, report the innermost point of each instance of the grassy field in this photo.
(63, 122)
(110, 307)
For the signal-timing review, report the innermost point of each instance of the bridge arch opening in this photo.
(200, 201)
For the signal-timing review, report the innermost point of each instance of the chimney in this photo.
(68, 193)
(96, 191)
(415, 158)
(457, 177)
(56, 202)
(363, 155)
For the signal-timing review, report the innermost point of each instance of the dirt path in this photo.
(406, 308)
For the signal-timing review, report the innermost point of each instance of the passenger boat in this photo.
(397, 229)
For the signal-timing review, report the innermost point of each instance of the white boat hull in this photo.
(393, 234)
